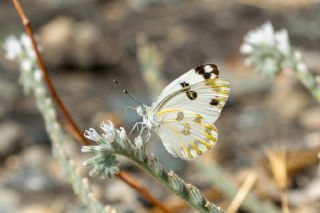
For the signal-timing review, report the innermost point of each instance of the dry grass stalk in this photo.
(277, 159)
(242, 193)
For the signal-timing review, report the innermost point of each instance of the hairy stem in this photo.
(170, 180)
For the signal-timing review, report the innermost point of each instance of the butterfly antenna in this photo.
(127, 93)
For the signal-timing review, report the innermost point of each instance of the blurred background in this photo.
(87, 43)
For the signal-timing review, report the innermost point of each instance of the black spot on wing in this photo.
(184, 84)
(199, 69)
(214, 102)
(206, 75)
(207, 70)
(192, 95)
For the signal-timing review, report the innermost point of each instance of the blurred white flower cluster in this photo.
(266, 49)
(21, 50)
(269, 52)
(16, 48)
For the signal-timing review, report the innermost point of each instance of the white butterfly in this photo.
(184, 113)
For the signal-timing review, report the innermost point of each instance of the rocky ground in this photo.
(88, 43)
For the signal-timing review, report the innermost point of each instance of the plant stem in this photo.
(306, 78)
(242, 193)
(171, 181)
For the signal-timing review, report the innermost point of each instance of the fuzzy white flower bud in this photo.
(27, 45)
(265, 35)
(12, 47)
(92, 134)
(109, 130)
(138, 141)
(26, 65)
(122, 134)
(282, 40)
(37, 75)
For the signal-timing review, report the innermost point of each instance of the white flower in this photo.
(122, 133)
(302, 67)
(282, 40)
(25, 41)
(262, 35)
(267, 50)
(267, 33)
(246, 48)
(138, 141)
(109, 130)
(12, 47)
(27, 45)
(37, 75)
(26, 65)
(266, 36)
(92, 134)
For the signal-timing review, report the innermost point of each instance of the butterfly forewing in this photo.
(187, 109)
(193, 76)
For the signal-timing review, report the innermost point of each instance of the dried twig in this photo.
(242, 193)
(122, 175)
(45, 72)
(278, 163)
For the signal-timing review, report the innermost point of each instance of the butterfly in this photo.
(184, 114)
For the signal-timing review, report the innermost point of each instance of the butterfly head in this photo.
(141, 110)
(148, 117)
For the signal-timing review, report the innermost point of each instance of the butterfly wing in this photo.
(193, 76)
(187, 109)
(186, 135)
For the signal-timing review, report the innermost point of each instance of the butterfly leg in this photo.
(136, 126)
(142, 129)
(148, 135)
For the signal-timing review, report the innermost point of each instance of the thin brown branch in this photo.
(242, 193)
(77, 133)
(43, 68)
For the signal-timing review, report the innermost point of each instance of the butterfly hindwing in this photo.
(186, 135)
